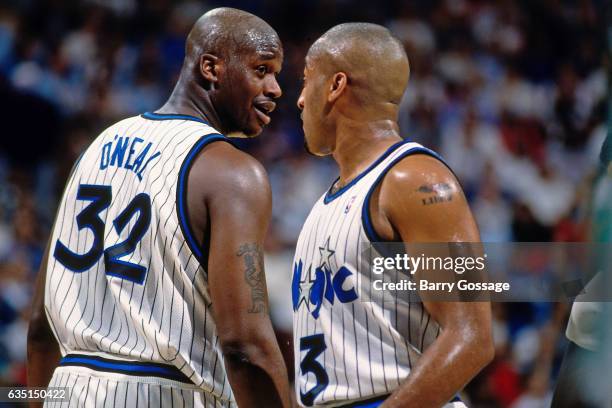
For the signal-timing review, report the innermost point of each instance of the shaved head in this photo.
(226, 32)
(372, 58)
(229, 72)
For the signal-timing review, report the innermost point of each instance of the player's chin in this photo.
(315, 146)
(312, 148)
(307, 148)
(309, 144)
(246, 131)
(253, 129)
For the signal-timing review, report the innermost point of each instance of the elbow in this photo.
(483, 349)
(243, 352)
(476, 347)
(245, 349)
(488, 351)
(238, 353)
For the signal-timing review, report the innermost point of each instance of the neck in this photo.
(360, 143)
(188, 98)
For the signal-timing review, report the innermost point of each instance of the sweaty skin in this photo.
(354, 79)
(228, 79)
(465, 344)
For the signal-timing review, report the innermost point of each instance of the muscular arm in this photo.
(43, 350)
(420, 201)
(238, 203)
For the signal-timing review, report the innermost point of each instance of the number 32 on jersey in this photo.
(100, 198)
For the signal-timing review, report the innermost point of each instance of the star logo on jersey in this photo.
(326, 254)
(323, 286)
(300, 289)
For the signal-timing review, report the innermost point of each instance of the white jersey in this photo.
(125, 290)
(348, 347)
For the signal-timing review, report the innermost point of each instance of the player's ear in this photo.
(210, 66)
(337, 86)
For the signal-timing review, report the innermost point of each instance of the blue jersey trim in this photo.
(365, 210)
(136, 368)
(368, 403)
(171, 116)
(329, 196)
(377, 401)
(181, 190)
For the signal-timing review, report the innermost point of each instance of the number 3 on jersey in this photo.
(313, 345)
(89, 217)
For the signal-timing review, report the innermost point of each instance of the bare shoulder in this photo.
(420, 173)
(222, 168)
(421, 196)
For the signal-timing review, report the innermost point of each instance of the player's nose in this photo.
(300, 102)
(272, 88)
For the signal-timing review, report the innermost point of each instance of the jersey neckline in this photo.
(171, 116)
(329, 196)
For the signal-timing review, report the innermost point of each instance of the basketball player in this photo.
(349, 350)
(153, 290)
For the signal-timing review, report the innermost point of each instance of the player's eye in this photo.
(262, 70)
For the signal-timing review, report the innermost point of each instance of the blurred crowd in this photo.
(513, 94)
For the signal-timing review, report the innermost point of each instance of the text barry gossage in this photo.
(414, 264)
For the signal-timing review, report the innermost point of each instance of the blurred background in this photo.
(512, 93)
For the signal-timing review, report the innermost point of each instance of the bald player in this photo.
(153, 291)
(351, 350)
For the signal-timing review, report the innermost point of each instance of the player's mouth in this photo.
(263, 109)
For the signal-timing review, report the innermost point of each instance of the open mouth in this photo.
(263, 109)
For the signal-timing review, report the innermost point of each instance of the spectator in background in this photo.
(512, 94)
(468, 145)
(492, 211)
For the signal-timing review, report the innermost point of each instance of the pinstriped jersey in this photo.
(124, 278)
(348, 346)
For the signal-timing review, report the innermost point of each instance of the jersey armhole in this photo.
(181, 190)
(366, 217)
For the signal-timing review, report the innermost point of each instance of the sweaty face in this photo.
(312, 102)
(249, 89)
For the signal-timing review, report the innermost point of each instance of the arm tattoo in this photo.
(254, 275)
(436, 193)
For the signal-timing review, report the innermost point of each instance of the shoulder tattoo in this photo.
(436, 193)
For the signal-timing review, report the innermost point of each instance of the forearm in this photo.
(258, 375)
(442, 371)
(237, 282)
